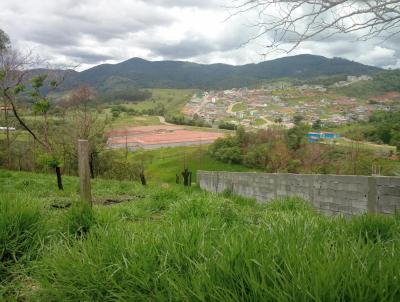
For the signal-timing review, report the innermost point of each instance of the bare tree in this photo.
(285, 24)
(85, 122)
(79, 101)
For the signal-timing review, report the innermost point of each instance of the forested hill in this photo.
(178, 74)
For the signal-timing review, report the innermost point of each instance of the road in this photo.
(230, 107)
(162, 121)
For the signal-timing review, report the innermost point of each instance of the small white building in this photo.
(9, 129)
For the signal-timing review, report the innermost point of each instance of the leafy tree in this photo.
(297, 119)
(317, 125)
(256, 156)
(296, 136)
(226, 150)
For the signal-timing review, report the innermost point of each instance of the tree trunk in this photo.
(91, 164)
(142, 178)
(59, 179)
(185, 175)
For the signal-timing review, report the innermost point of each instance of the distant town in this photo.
(279, 104)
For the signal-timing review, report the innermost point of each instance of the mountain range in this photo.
(141, 73)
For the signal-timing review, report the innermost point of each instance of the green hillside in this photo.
(383, 82)
(172, 100)
(140, 73)
(171, 244)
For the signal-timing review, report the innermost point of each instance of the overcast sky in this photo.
(90, 32)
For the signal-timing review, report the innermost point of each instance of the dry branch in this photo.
(286, 24)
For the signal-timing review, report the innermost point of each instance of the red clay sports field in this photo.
(160, 136)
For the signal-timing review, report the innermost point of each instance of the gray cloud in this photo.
(88, 56)
(186, 3)
(182, 50)
(90, 32)
(193, 45)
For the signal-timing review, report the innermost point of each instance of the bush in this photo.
(227, 125)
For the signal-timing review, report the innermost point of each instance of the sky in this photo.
(85, 33)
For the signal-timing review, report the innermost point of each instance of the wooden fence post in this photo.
(84, 170)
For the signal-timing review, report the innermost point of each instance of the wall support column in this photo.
(372, 195)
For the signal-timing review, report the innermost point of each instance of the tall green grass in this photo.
(187, 245)
(21, 230)
(210, 248)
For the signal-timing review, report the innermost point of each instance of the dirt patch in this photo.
(61, 205)
(112, 201)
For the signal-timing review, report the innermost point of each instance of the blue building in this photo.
(314, 137)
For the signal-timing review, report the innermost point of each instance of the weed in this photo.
(79, 219)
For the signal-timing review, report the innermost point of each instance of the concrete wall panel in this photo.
(332, 194)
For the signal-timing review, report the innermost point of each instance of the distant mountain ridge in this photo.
(179, 74)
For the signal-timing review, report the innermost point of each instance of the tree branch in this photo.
(293, 22)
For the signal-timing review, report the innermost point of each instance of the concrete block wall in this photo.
(331, 194)
(387, 194)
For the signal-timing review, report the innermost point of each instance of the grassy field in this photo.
(125, 120)
(18, 134)
(172, 99)
(366, 145)
(171, 244)
(260, 121)
(239, 107)
(162, 165)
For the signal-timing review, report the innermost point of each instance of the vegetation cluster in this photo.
(280, 150)
(381, 128)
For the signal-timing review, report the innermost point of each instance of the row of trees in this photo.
(157, 110)
(279, 150)
(182, 120)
